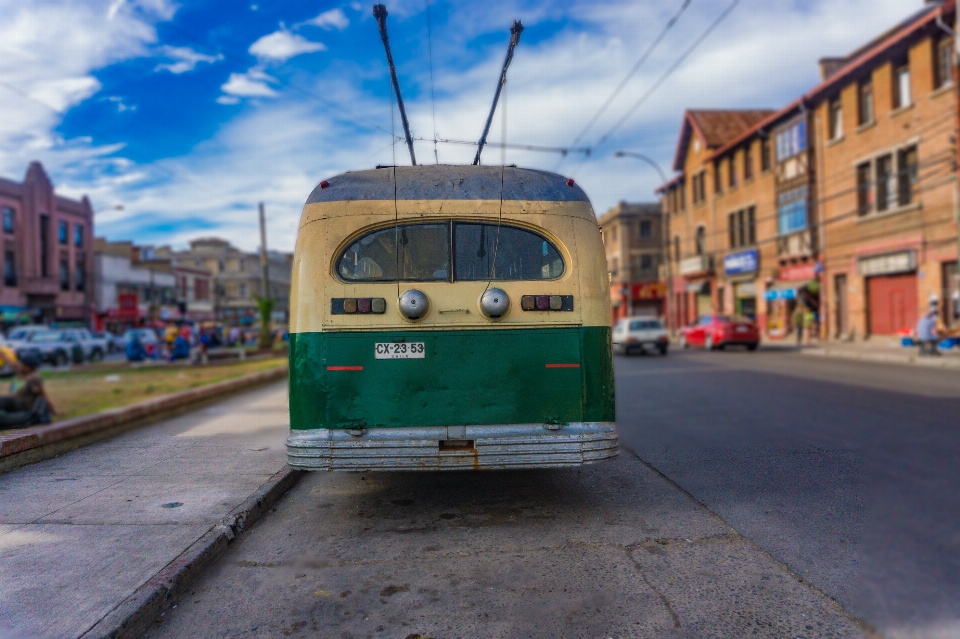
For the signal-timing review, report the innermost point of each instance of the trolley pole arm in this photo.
(515, 32)
(380, 13)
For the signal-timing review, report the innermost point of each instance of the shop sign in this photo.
(902, 262)
(649, 291)
(745, 289)
(742, 262)
(127, 304)
(800, 272)
(695, 264)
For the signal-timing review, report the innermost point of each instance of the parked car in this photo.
(59, 347)
(635, 334)
(18, 335)
(718, 331)
(147, 336)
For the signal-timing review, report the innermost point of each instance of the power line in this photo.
(519, 147)
(673, 67)
(633, 71)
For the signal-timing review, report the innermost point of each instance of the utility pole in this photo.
(264, 267)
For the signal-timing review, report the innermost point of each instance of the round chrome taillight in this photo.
(413, 304)
(494, 303)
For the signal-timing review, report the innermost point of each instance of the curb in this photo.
(42, 442)
(137, 612)
(910, 360)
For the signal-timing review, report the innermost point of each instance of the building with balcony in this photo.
(841, 202)
(633, 242)
(47, 252)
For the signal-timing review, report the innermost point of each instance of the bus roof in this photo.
(449, 182)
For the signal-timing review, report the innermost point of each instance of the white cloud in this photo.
(252, 84)
(184, 59)
(282, 45)
(228, 99)
(332, 19)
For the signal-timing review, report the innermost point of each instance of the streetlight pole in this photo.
(665, 232)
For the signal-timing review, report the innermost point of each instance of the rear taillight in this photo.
(546, 303)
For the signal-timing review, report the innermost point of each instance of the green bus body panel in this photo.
(467, 377)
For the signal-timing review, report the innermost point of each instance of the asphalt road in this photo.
(847, 472)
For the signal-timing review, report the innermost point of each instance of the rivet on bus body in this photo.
(556, 302)
(543, 302)
(350, 306)
(528, 302)
(413, 304)
(494, 303)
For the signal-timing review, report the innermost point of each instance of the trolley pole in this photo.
(380, 13)
(515, 32)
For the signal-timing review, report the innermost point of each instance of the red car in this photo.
(718, 331)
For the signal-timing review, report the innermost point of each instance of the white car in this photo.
(18, 336)
(636, 334)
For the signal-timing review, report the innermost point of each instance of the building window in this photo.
(243, 290)
(646, 228)
(865, 102)
(943, 65)
(676, 248)
(864, 192)
(613, 233)
(44, 245)
(8, 218)
(885, 182)
(732, 170)
(699, 187)
(792, 141)
(907, 170)
(614, 264)
(792, 210)
(765, 154)
(80, 274)
(901, 86)
(646, 262)
(742, 227)
(64, 275)
(748, 163)
(9, 268)
(683, 195)
(717, 179)
(836, 119)
(701, 240)
(78, 235)
(201, 289)
(62, 232)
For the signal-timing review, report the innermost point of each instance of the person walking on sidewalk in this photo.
(928, 334)
(798, 322)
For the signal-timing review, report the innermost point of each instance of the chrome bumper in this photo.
(453, 447)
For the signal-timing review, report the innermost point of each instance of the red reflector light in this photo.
(570, 182)
(344, 368)
(563, 365)
(543, 302)
(324, 184)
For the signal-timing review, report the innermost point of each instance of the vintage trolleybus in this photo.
(449, 317)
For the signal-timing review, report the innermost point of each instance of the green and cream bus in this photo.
(449, 317)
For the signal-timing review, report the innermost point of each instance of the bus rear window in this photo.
(425, 254)
(520, 254)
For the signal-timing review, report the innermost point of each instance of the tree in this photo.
(265, 309)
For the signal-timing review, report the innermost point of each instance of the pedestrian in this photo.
(798, 322)
(927, 333)
(809, 320)
(180, 349)
(28, 403)
(135, 351)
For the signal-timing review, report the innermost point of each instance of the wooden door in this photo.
(892, 303)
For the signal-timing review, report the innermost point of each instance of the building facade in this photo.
(633, 241)
(840, 203)
(130, 292)
(47, 252)
(236, 277)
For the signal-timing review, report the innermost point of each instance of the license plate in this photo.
(398, 350)
(741, 329)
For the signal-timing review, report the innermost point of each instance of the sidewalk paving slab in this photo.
(83, 532)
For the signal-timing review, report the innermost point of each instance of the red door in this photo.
(892, 303)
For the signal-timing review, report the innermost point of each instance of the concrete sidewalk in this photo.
(883, 350)
(81, 532)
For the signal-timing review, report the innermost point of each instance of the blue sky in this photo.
(187, 114)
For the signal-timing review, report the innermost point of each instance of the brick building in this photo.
(840, 202)
(633, 242)
(47, 252)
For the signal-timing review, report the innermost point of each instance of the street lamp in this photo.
(664, 227)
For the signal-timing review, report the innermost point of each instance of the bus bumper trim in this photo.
(426, 448)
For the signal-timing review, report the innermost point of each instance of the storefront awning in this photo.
(786, 290)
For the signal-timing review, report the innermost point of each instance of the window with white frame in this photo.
(792, 141)
(902, 96)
